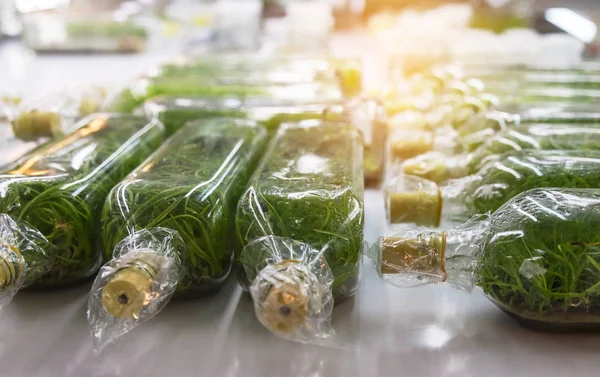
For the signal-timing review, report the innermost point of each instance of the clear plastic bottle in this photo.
(439, 167)
(536, 258)
(412, 199)
(167, 229)
(308, 190)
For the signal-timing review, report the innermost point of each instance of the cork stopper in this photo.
(422, 256)
(36, 124)
(125, 295)
(410, 143)
(285, 308)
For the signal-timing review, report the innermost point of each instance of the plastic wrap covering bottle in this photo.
(434, 130)
(478, 129)
(189, 187)
(439, 167)
(59, 189)
(536, 258)
(366, 114)
(285, 69)
(174, 112)
(56, 114)
(308, 188)
(25, 255)
(26, 124)
(411, 199)
(369, 117)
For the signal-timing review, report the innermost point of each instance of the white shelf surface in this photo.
(382, 331)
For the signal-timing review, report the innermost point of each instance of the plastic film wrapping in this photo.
(284, 79)
(59, 189)
(309, 188)
(491, 186)
(25, 255)
(291, 288)
(192, 185)
(521, 137)
(54, 115)
(136, 284)
(536, 257)
(366, 114)
(176, 111)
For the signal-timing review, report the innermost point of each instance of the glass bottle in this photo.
(536, 258)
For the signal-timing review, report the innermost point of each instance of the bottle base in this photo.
(553, 326)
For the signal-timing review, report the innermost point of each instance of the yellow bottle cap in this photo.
(125, 295)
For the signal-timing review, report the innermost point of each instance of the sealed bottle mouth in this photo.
(420, 259)
(129, 290)
(411, 199)
(285, 308)
(34, 124)
(409, 143)
(12, 266)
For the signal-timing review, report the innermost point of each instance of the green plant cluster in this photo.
(290, 81)
(191, 185)
(541, 258)
(309, 188)
(107, 29)
(175, 112)
(60, 188)
(518, 172)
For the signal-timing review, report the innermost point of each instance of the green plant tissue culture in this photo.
(59, 188)
(143, 89)
(496, 183)
(487, 124)
(275, 70)
(521, 137)
(105, 29)
(191, 185)
(537, 257)
(174, 112)
(541, 260)
(308, 188)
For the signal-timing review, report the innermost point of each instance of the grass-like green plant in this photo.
(175, 112)
(60, 188)
(107, 29)
(309, 188)
(131, 98)
(541, 258)
(191, 185)
(517, 172)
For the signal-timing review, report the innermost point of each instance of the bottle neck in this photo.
(290, 286)
(413, 261)
(414, 257)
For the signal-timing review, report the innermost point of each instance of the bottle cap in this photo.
(34, 124)
(125, 295)
(12, 265)
(411, 199)
(410, 143)
(422, 256)
(285, 308)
